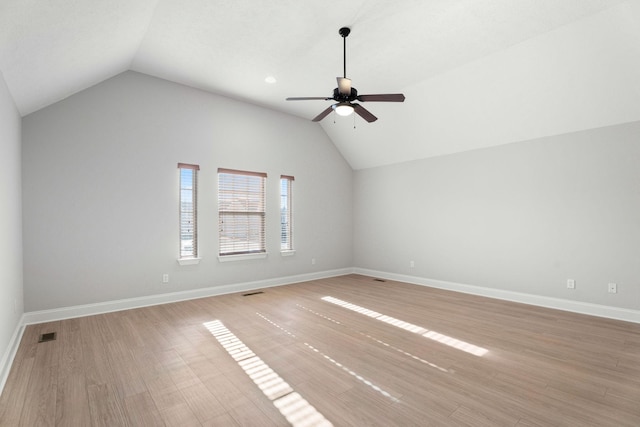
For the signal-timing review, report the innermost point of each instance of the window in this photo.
(241, 212)
(188, 210)
(286, 213)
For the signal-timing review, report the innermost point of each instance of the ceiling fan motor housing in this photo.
(343, 98)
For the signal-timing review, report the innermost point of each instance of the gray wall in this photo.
(100, 202)
(101, 191)
(520, 217)
(11, 303)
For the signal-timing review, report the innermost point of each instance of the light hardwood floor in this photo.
(347, 351)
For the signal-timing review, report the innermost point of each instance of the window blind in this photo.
(241, 211)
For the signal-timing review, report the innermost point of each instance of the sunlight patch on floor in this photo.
(432, 335)
(406, 353)
(336, 363)
(290, 404)
(354, 374)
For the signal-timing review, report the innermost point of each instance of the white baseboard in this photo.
(129, 303)
(10, 353)
(598, 310)
(617, 313)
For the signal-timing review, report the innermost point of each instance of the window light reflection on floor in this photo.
(432, 335)
(406, 353)
(290, 404)
(336, 363)
(354, 374)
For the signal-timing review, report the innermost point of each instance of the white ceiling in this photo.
(475, 73)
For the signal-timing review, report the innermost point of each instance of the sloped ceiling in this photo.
(475, 73)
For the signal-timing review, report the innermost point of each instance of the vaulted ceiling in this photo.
(475, 73)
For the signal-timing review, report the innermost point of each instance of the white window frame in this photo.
(286, 215)
(188, 214)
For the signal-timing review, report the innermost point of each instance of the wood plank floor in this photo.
(346, 351)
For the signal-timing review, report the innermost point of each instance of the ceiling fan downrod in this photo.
(344, 32)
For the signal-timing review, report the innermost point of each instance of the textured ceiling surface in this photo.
(475, 73)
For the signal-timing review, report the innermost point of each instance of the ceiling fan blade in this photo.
(364, 113)
(385, 97)
(322, 115)
(344, 85)
(308, 98)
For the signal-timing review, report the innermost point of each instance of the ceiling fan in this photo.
(344, 94)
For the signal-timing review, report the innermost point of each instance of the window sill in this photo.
(289, 252)
(189, 261)
(242, 257)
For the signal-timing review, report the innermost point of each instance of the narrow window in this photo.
(286, 213)
(188, 210)
(241, 212)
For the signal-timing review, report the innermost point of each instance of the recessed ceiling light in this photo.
(270, 79)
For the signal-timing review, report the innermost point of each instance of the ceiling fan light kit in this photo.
(345, 94)
(343, 109)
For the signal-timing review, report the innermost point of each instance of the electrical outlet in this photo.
(165, 278)
(612, 288)
(412, 264)
(571, 284)
(313, 261)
